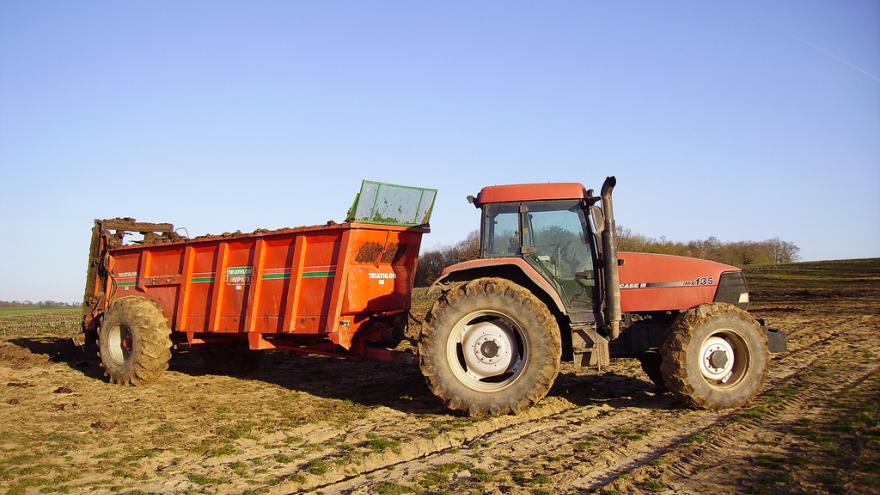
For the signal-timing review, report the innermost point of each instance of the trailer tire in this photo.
(715, 357)
(650, 362)
(514, 341)
(233, 359)
(134, 341)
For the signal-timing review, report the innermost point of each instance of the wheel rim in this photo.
(487, 351)
(119, 344)
(724, 359)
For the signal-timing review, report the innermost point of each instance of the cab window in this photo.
(501, 230)
(557, 231)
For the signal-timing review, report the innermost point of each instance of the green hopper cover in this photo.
(392, 204)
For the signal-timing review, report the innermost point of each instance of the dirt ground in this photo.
(333, 426)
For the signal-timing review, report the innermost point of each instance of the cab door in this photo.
(556, 241)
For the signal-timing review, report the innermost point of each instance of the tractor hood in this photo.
(661, 282)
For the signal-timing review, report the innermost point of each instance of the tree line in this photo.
(737, 253)
(39, 304)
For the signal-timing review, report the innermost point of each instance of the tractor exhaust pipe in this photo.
(609, 258)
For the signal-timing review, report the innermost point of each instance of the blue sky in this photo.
(743, 120)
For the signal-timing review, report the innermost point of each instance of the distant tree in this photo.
(431, 263)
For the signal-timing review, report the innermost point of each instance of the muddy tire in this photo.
(715, 357)
(489, 347)
(233, 359)
(134, 341)
(650, 362)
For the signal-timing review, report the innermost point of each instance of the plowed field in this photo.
(334, 426)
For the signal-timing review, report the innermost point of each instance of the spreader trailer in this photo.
(548, 286)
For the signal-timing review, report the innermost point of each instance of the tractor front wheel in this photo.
(715, 357)
(489, 347)
(134, 341)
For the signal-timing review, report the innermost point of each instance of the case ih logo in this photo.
(684, 283)
(238, 275)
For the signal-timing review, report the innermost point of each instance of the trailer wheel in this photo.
(650, 362)
(134, 341)
(489, 347)
(715, 357)
(233, 359)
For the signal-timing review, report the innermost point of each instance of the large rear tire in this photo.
(134, 341)
(715, 357)
(489, 347)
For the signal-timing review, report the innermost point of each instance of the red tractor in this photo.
(550, 286)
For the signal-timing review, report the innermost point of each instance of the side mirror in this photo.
(598, 219)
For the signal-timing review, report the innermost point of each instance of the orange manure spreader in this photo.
(337, 289)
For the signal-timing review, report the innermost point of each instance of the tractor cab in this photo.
(549, 226)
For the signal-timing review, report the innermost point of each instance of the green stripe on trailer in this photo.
(318, 274)
(125, 284)
(201, 280)
(271, 276)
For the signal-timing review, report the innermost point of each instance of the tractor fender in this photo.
(515, 269)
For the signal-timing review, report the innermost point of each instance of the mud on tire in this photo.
(715, 357)
(134, 341)
(484, 319)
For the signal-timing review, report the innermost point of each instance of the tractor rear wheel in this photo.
(715, 357)
(489, 347)
(134, 341)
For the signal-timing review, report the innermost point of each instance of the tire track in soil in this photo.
(612, 455)
(731, 435)
(592, 479)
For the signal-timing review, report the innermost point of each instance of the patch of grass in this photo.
(317, 466)
(696, 438)
(381, 444)
(769, 461)
(481, 475)
(631, 433)
(22, 486)
(203, 480)
(237, 430)
(20, 459)
(283, 458)
(540, 491)
(519, 477)
(780, 394)
(756, 412)
(223, 449)
(391, 488)
(137, 455)
(652, 486)
(584, 444)
(293, 478)
(540, 479)
(442, 473)
(165, 428)
(238, 468)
